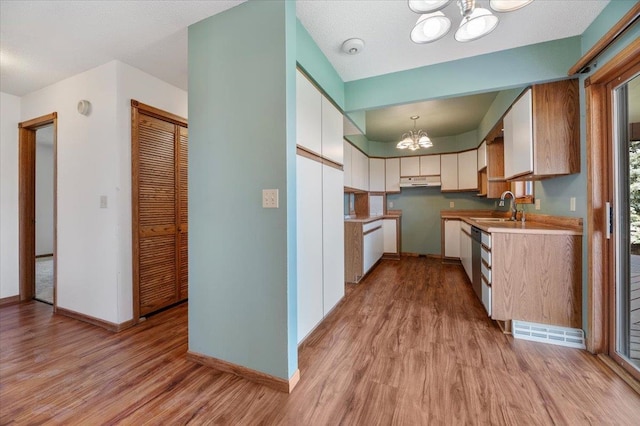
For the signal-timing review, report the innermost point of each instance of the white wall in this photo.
(9, 118)
(87, 153)
(44, 197)
(135, 84)
(94, 159)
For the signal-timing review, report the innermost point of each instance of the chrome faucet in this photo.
(512, 206)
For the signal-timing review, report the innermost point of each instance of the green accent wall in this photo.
(456, 143)
(494, 71)
(242, 258)
(421, 208)
(313, 61)
(496, 111)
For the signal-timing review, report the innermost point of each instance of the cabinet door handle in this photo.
(609, 220)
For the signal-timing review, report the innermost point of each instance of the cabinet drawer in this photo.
(486, 296)
(486, 256)
(486, 239)
(366, 227)
(486, 273)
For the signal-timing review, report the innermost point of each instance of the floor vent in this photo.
(555, 335)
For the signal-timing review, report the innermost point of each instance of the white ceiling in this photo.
(42, 42)
(384, 25)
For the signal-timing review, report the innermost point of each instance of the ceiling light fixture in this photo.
(415, 139)
(353, 46)
(476, 22)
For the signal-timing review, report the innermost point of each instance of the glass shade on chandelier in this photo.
(414, 139)
(477, 22)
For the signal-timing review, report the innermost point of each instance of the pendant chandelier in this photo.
(414, 139)
(476, 22)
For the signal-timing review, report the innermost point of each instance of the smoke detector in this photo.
(353, 46)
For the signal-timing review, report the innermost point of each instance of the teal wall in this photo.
(360, 141)
(461, 142)
(421, 215)
(242, 258)
(554, 194)
(495, 71)
(317, 66)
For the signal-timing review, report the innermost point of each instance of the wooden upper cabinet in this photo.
(308, 115)
(541, 132)
(332, 130)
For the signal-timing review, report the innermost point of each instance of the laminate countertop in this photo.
(535, 223)
(369, 219)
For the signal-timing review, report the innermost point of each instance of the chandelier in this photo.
(415, 139)
(476, 22)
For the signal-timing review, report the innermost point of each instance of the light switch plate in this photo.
(103, 201)
(452, 204)
(537, 203)
(572, 204)
(270, 198)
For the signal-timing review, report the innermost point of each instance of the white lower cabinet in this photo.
(373, 246)
(452, 238)
(320, 240)
(364, 246)
(310, 267)
(390, 231)
(332, 237)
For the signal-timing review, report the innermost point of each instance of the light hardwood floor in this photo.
(409, 345)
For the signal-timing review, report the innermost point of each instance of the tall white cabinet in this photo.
(320, 216)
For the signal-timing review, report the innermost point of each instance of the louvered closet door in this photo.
(162, 213)
(183, 229)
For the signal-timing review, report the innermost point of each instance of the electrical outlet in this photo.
(572, 204)
(537, 203)
(390, 204)
(103, 201)
(452, 204)
(270, 198)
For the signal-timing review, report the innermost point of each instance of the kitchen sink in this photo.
(490, 219)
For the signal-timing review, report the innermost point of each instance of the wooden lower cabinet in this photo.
(535, 277)
(364, 246)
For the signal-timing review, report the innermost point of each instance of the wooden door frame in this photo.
(27, 204)
(601, 281)
(138, 108)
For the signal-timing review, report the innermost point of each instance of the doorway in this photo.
(37, 219)
(44, 215)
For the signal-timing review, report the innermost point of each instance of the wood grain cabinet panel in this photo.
(537, 278)
(542, 132)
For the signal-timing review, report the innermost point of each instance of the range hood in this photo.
(410, 182)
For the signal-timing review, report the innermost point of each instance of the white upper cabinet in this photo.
(467, 170)
(482, 155)
(430, 165)
(518, 138)
(392, 174)
(410, 166)
(347, 163)
(332, 129)
(449, 172)
(359, 170)
(308, 115)
(376, 175)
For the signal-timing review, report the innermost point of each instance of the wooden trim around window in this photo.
(609, 38)
(598, 88)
